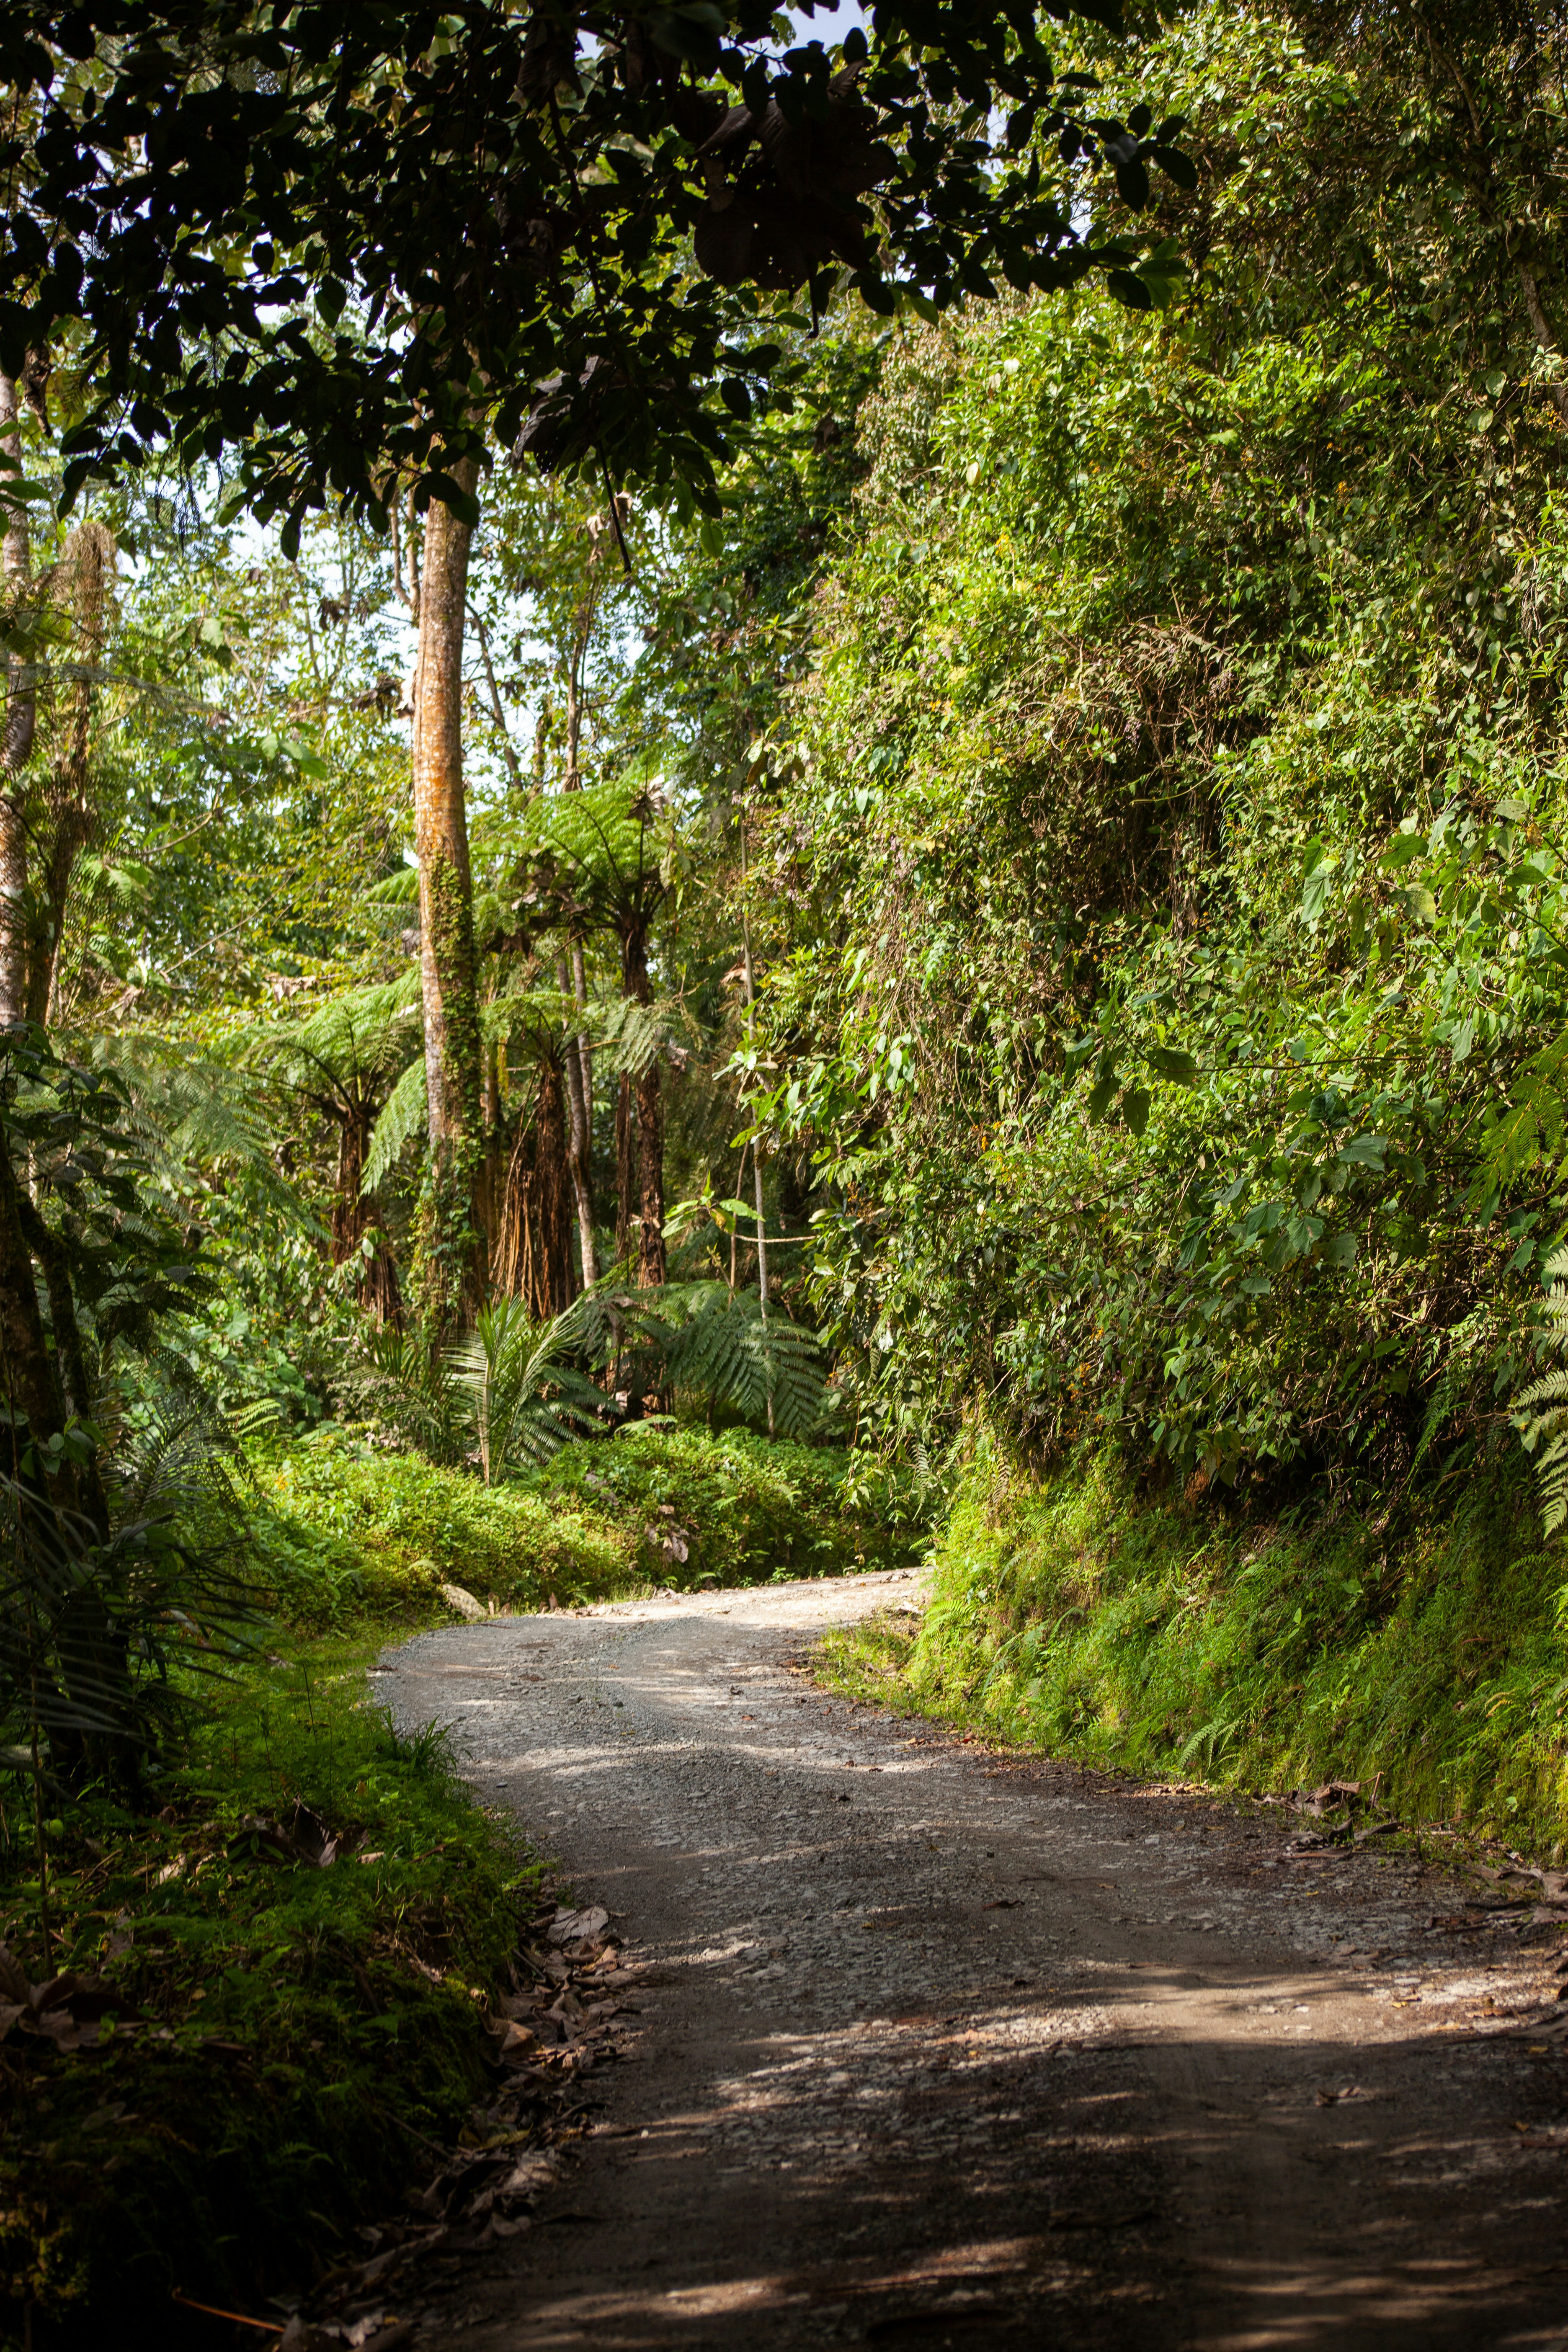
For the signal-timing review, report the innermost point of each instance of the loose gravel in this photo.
(943, 2048)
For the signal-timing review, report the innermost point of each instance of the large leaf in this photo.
(406, 1112)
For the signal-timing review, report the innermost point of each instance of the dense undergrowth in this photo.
(1419, 1646)
(300, 2033)
(297, 2033)
(351, 1531)
(697, 1509)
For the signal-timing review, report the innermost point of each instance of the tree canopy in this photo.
(350, 246)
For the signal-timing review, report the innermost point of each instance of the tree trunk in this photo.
(15, 734)
(452, 1078)
(379, 1289)
(626, 1168)
(494, 1172)
(28, 1379)
(649, 1124)
(582, 637)
(650, 1175)
(582, 1147)
(73, 817)
(533, 1225)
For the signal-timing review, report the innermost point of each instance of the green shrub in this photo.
(347, 1532)
(700, 1508)
(313, 2025)
(1423, 1646)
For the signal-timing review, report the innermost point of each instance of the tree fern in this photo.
(718, 1343)
(1541, 1412)
(403, 1114)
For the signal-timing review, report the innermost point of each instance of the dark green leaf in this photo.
(1129, 289)
(1175, 165)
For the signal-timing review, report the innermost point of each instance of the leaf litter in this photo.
(559, 2019)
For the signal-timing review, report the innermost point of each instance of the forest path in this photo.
(946, 2049)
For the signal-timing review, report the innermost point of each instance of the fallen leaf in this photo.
(572, 1927)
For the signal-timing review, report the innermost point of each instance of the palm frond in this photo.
(407, 1388)
(523, 1396)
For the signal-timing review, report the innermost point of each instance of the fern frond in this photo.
(722, 1347)
(404, 1113)
(1540, 1410)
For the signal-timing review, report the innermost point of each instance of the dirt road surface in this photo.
(942, 2049)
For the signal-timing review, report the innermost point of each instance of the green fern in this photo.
(1540, 1410)
(719, 1344)
(404, 1112)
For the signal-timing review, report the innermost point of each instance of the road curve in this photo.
(943, 2049)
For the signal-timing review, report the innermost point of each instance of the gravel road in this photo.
(941, 2048)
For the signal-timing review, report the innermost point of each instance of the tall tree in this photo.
(16, 729)
(446, 961)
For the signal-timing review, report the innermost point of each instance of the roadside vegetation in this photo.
(928, 916)
(1422, 1655)
(259, 2008)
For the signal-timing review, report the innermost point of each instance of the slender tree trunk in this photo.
(16, 733)
(494, 1171)
(756, 1140)
(581, 1147)
(651, 1176)
(574, 783)
(552, 1201)
(71, 801)
(649, 1124)
(625, 1167)
(452, 1075)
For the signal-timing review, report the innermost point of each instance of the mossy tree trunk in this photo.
(16, 725)
(453, 1243)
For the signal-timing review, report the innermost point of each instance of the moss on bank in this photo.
(1426, 1646)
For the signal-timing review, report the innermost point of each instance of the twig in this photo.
(240, 2319)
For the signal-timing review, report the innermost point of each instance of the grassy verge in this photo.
(264, 2044)
(1075, 1616)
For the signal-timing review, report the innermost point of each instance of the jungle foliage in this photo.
(891, 859)
(1176, 799)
